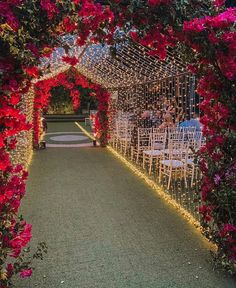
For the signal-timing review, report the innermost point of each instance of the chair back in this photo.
(159, 130)
(176, 137)
(158, 141)
(144, 137)
(178, 150)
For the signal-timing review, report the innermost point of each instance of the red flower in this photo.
(21, 240)
(68, 25)
(4, 160)
(158, 2)
(14, 98)
(33, 48)
(70, 60)
(10, 269)
(50, 7)
(226, 229)
(26, 273)
(219, 3)
(32, 71)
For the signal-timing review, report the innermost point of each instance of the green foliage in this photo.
(60, 101)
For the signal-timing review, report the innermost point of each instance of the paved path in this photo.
(105, 228)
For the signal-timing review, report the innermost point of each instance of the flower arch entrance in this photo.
(71, 80)
(206, 33)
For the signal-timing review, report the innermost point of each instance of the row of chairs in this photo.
(172, 150)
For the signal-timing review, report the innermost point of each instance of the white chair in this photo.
(121, 127)
(137, 149)
(157, 142)
(115, 135)
(125, 140)
(195, 143)
(159, 130)
(173, 163)
(191, 168)
(175, 138)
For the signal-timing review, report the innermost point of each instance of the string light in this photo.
(138, 79)
(24, 149)
(85, 131)
(154, 186)
(132, 64)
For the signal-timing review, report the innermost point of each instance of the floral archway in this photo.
(71, 80)
(203, 30)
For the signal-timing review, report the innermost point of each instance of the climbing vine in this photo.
(203, 30)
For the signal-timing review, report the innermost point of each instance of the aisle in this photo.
(105, 228)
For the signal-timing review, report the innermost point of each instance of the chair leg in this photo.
(192, 178)
(157, 165)
(144, 158)
(160, 173)
(150, 165)
(196, 172)
(137, 157)
(170, 175)
(185, 177)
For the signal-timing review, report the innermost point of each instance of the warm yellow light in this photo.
(85, 131)
(150, 182)
(156, 188)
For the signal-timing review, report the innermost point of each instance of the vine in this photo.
(204, 32)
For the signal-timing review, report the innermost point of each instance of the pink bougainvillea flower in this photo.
(227, 228)
(219, 3)
(21, 240)
(10, 269)
(26, 273)
(50, 7)
(4, 160)
(158, 2)
(69, 25)
(33, 48)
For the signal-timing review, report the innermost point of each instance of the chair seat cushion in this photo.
(171, 151)
(173, 163)
(190, 161)
(152, 152)
(124, 139)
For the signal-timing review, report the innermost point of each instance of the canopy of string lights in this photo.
(130, 64)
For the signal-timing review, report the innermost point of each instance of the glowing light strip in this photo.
(153, 185)
(29, 160)
(150, 182)
(85, 131)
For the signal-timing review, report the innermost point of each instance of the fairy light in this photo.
(149, 181)
(156, 188)
(24, 149)
(132, 64)
(53, 74)
(85, 131)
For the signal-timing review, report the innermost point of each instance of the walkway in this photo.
(105, 228)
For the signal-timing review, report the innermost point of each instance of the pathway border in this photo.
(154, 186)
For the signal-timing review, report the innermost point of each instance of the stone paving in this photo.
(105, 228)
